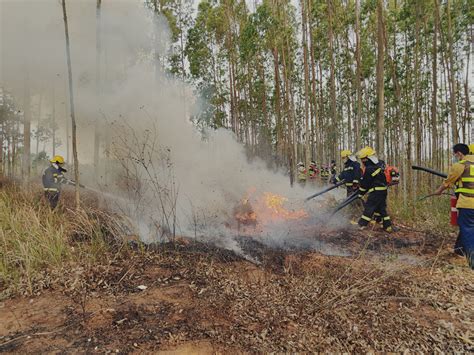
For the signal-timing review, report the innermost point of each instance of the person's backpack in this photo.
(392, 175)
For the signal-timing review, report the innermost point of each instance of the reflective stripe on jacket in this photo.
(466, 182)
(373, 179)
(53, 178)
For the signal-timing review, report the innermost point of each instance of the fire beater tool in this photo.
(351, 198)
(325, 190)
(453, 201)
(428, 170)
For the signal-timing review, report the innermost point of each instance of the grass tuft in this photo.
(34, 239)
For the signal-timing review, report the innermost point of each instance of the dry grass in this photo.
(429, 214)
(34, 239)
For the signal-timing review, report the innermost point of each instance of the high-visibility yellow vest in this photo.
(466, 182)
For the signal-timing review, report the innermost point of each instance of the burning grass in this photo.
(266, 208)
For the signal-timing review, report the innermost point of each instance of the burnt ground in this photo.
(398, 292)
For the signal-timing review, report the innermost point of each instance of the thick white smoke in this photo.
(172, 180)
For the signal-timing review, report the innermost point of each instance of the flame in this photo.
(244, 213)
(266, 208)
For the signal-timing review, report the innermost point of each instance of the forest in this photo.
(162, 186)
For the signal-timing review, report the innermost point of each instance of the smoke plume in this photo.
(159, 170)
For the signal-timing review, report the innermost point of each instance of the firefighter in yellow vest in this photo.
(461, 174)
(301, 173)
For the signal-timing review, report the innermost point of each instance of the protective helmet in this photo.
(57, 159)
(471, 148)
(300, 163)
(345, 153)
(365, 152)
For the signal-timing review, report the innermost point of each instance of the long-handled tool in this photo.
(453, 201)
(73, 183)
(428, 170)
(351, 198)
(340, 183)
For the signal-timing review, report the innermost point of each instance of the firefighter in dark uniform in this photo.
(351, 172)
(53, 178)
(373, 183)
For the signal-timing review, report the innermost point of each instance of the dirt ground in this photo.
(397, 292)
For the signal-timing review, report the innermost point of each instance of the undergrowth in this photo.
(430, 214)
(35, 240)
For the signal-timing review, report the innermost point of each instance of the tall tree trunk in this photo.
(71, 103)
(26, 163)
(467, 105)
(358, 123)
(418, 134)
(97, 89)
(316, 127)
(434, 96)
(332, 83)
(279, 124)
(306, 84)
(452, 80)
(379, 142)
(53, 122)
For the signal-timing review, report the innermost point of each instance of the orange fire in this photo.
(266, 208)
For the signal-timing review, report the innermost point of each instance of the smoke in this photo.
(169, 179)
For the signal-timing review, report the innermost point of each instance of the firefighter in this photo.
(461, 174)
(373, 183)
(312, 171)
(325, 174)
(333, 171)
(301, 174)
(351, 172)
(53, 177)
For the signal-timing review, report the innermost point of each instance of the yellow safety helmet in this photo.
(365, 152)
(57, 159)
(345, 153)
(471, 148)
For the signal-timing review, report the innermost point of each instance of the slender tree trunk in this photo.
(467, 105)
(380, 130)
(317, 124)
(452, 80)
(358, 121)
(71, 102)
(279, 124)
(38, 127)
(417, 78)
(306, 84)
(53, 122)
(434, 96)
(332, 82)
(97, 89)
(26, 164)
